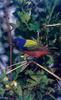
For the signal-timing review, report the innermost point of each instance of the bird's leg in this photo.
(28, 58)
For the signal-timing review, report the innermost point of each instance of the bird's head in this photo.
(19, 43)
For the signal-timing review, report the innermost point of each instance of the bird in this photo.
(30, 47)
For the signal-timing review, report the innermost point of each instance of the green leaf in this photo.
(34, 26)
(29, 97)
(50, 60)
(31, 83)
(24, 16)
(2, 91)
(19, 98)
(19, 90)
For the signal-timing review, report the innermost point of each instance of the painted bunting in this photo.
(29, 47)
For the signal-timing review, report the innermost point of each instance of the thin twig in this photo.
(16, 68)
(57, 77)
(16, 64)
(53, 25)
(6, 16)
(26, 64)
(8, 31)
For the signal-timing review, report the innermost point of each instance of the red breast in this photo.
(36, 54)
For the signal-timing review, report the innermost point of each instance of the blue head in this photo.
(19, 43)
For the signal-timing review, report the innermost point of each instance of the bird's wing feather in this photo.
(30, 43)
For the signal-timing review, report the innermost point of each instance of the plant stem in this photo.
(17, 68)
(8, 29)
(51, 73)
(17, 64)
(53, 25)
(6, 15)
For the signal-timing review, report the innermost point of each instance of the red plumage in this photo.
(37, 53)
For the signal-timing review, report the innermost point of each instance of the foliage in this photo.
(31, 83)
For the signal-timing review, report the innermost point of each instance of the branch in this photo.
(51, 73)
(26, 64)
(16, 64)
(57, 77)
(6, 15)
(8, 28)
(53, 25)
